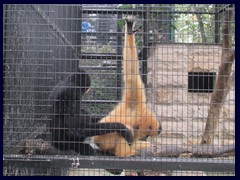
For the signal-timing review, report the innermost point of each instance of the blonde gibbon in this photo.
(132, 111)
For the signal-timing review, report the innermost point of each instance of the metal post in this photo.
(119, 63)
(145, 43)
(79, 40)
(217, 25)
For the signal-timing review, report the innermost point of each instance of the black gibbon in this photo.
(132, 111)
(70, 124)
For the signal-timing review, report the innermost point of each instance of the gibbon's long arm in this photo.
(134, 92)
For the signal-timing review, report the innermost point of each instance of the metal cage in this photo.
(181, 50)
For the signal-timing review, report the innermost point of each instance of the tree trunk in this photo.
(201, 26)
(222, 88)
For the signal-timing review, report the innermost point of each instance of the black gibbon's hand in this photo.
(127, 134)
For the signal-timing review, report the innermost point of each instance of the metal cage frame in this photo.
(56, 162)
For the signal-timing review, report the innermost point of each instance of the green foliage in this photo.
(126, 6)
(187, 25)
(121, 22)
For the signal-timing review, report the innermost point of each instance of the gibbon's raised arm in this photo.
(134, 88)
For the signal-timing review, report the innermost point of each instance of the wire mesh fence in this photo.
(186, 63)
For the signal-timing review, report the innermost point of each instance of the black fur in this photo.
(70, 124)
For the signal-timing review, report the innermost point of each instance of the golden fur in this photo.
(132, 111)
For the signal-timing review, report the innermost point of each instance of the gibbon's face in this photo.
(148, 125)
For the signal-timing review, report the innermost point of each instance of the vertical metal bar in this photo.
(172, 22)
(79, 41)
(6, 14)
(119, 52)
(217, 25)
(145, 43)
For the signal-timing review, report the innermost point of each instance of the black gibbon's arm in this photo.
(70, 124)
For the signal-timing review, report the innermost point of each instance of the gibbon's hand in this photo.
(130, 20)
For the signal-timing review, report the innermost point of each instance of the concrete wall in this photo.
(184, 114)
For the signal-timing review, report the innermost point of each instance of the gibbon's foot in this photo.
(130, 20)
